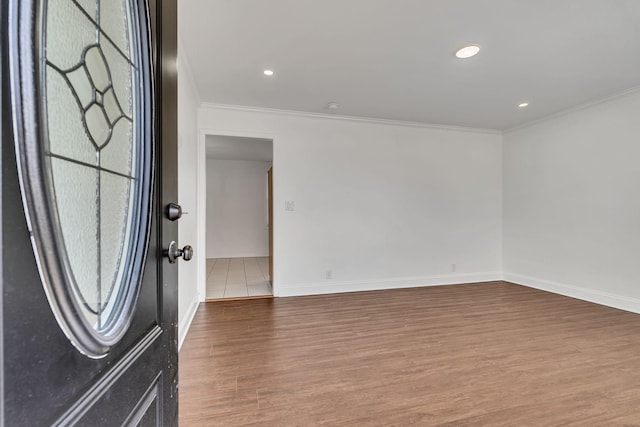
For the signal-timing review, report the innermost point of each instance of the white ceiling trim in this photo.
(591, 103)
(575, 108)
(303, 114)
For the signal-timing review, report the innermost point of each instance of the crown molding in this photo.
(574, 109)
(387, 122)
(420, 125)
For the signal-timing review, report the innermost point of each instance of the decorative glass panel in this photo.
(90, 6)
(115, 22)
(75, 188)
(67, 135)
(87, 175)
(121, 75)
(115, 209)
(117, 155)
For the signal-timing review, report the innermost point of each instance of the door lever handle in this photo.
(174, 252)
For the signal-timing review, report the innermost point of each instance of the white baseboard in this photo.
(330, 287)
(585, 294)
(185, 323)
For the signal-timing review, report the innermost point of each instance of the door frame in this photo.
(270, 216)
(201, 204)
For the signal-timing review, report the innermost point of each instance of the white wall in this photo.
(188, 103)
(380, 205)
(572, 204)
(237, 208)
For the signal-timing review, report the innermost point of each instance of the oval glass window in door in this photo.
(87, 168)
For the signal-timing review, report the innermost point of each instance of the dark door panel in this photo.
(46, 379)
(125, 393)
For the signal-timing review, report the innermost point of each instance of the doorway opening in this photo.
(239, 217)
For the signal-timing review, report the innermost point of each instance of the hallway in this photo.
(238, 277)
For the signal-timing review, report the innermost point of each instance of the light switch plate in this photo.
(289, 205)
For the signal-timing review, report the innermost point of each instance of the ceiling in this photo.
(237, 148)
(394, 59)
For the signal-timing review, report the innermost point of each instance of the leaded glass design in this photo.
(86, 174)
(93, 190)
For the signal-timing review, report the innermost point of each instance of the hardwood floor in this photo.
(478, 354)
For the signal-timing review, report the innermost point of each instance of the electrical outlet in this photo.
(289, 205)
(454, 268)
(329, 275)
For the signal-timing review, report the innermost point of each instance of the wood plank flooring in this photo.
(478, 354)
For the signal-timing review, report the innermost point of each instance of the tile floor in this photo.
(238, 277)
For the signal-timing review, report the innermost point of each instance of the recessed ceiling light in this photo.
(268, 72)
(467, 51)
(523, 105)
(332, 106)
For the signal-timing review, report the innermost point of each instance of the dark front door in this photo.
(89, 301)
